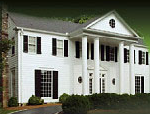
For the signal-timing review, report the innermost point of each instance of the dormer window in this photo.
(112, 23)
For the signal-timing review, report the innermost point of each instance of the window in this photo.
(13, 47)
(127, 56)
(139, 84)
(90, 86)
(13, 50)
(13, 83)
(32, 44)
(112, 54)
(46, 83)
(60, 47)
(143, 57)
(80, 79)
(102, 83)
(112, 23)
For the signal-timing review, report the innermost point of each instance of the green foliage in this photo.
(33, 100)
(63, 98)
(13, 102)
(76, 104)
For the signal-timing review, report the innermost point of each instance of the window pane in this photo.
(60, 52)
(59, 44)
(31, 40)
(32, 48)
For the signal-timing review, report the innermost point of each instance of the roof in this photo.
(53, 25)
(42, 23)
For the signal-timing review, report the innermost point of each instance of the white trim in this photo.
(42, 31)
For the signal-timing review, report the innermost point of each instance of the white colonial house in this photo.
(51, 57)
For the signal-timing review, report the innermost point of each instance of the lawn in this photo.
(144, 111)
(4, 111)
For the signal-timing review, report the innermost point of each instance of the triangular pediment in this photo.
(112, 23)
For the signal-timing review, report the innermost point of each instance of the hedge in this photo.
(74, 103)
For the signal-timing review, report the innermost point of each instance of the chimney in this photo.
(4, 73)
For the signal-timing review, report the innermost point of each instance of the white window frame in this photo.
(112, 54)
(60, 48)
(138, 84)
(143, 57)
(32, 44)
(51, 94)
(102, 78)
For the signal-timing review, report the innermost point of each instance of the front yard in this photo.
(123, 111)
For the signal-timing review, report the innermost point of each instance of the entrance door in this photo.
(102, 82)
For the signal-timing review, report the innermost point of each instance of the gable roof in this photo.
(55, 25)
(39, 23)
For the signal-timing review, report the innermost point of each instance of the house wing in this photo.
(112, 23)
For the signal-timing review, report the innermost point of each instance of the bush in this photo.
(76, 104)
(63, 98)
(33, 100)
(13, 102)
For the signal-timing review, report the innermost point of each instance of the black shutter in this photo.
(38, 45)
(25, 43)
(102, 52)
(92, 51)
(65, 48)
(140, 57)
(116, 52)
(77, 43)
(134, 56)
(107, 53)
(54, 46)
(146, 58)
(55, 84)
(125, 55)
(38, 83)
(87, 50)
(142, 84)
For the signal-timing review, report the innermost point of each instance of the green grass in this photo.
(139, 111)
(4, 111)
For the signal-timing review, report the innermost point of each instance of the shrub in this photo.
(76, 104)
(13, 102)
(63, 97)
(33, 100)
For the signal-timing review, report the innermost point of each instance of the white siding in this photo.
(104, 26)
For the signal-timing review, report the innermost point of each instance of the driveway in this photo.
(42, 110)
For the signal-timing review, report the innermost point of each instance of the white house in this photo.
(51, 57)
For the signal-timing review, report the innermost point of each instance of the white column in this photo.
(131, 69)
(84, 66)
(96, 65)
(121, 66)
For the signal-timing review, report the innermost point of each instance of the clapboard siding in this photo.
(69, 68)
(13, 60)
